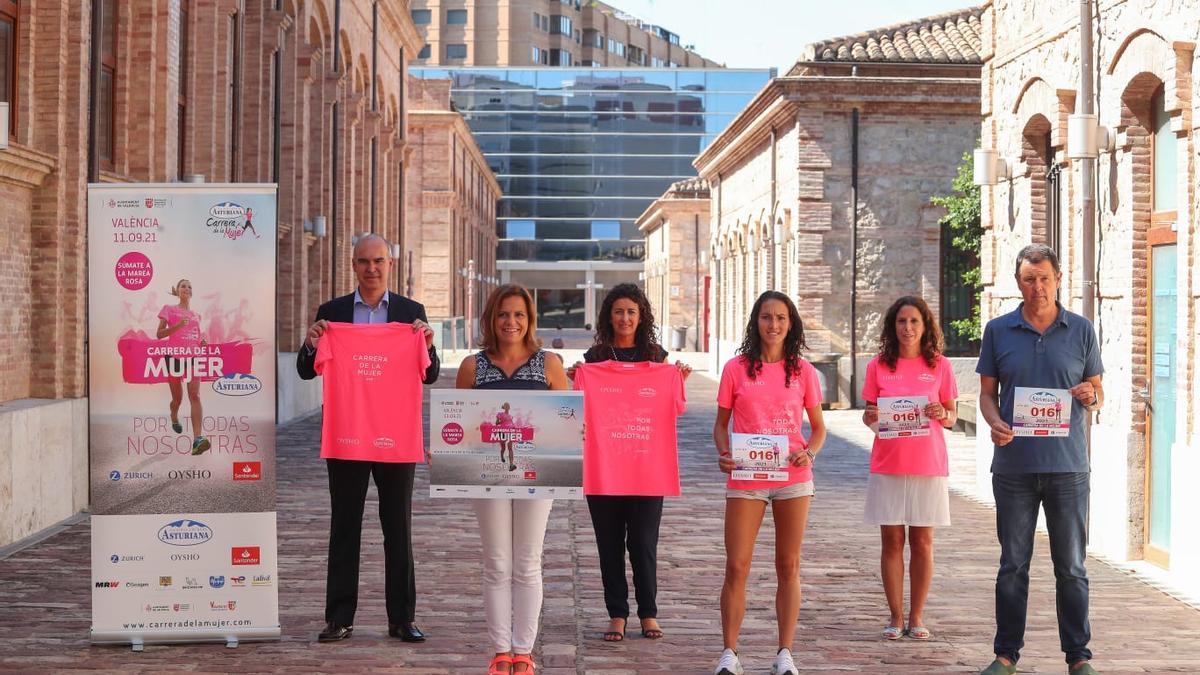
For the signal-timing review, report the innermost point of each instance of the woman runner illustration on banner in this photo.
(181, 327)
(504, 422)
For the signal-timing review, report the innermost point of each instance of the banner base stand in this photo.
(138, 642)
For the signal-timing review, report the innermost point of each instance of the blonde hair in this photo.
(489, 341)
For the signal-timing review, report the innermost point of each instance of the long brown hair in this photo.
(889, 341)
(645, 338)
(487, 321)
(793, 342)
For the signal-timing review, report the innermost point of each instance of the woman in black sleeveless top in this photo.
(625, 331)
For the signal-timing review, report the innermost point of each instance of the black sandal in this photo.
(615, 635)
(652, 633)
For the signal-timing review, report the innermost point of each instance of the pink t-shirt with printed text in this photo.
(372, 387)
(915, 455)
(763, 405)
(188, 335)
(631, 443)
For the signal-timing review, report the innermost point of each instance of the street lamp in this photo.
(1086, 138)
(989, 167)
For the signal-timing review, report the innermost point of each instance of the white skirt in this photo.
(895, 499)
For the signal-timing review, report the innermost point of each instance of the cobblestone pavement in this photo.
(45, 594)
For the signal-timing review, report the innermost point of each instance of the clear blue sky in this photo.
(764, 33)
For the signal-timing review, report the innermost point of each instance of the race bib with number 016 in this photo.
(1041, 412)
(759, 457)
(902, 416)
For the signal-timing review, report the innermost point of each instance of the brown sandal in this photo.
(616, 635)
(654, 633)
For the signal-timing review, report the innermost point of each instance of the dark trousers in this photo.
(1064, 496)
(631, 523)
(348, 494)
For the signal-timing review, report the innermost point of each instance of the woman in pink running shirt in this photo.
(767, 389)
(181, 327)
(511, 531)
(908, 485)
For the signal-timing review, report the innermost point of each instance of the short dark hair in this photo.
(1034, 254)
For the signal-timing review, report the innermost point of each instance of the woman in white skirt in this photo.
(910, 394)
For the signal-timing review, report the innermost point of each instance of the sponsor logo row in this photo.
(238, 555)
(242, 471)
(187, 583)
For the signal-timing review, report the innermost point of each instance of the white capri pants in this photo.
(512, 532)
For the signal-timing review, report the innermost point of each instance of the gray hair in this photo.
(1034, 254)
(368, 237)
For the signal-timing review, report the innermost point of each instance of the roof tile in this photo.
(953, 37)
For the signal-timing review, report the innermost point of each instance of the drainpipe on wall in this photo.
(696, 320)
(853, 255)
(1087, 177)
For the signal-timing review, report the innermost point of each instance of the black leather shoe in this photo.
(334, 632)
(407, 632)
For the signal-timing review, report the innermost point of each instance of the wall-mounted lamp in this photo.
(703, 258)
(641, 276)
(318, 223)
(3, 126)
(395, 251)
(990, 169)
(1086, 139)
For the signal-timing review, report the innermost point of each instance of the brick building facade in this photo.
(451, 205)
(309, 94)
(676, 269)
(523, 33)
(849, 145)
(1148, 281)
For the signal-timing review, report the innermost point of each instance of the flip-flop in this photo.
(893, 633)
(615, 635)
(919, 632)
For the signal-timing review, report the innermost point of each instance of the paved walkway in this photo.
(45, 594)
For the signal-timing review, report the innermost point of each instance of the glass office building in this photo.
(580, 154)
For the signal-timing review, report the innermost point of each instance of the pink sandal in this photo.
(525, 659)
(501, 659)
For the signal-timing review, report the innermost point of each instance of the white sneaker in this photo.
(784, 665)
(729, 664)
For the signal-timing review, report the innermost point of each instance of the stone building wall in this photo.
(676, 227)
(793, 233)
(1031, 79)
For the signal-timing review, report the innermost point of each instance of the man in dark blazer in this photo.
(371, 302)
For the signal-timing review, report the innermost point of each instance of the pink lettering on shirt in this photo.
(765, 405)
(372, 386)
(631, 443)
(918, 455)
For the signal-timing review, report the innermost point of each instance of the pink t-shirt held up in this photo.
(372, 387)
(765, 406)
(915, 455)
(188, 335)
(630, 411)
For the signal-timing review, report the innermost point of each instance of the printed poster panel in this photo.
(184, 577)
(181, 367)
(1041, 412)
(514, 444)
(902, 416)
(759, 456)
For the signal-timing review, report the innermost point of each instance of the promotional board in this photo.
(181, 373)
(516, 444)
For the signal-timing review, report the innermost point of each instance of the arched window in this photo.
(8, 60)
(1165, 161)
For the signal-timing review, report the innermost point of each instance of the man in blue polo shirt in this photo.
(1033, 364)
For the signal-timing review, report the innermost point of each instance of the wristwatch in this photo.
(811, 456)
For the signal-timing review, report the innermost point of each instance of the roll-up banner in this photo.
(181, 369)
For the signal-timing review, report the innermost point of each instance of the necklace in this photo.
(612, 350)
